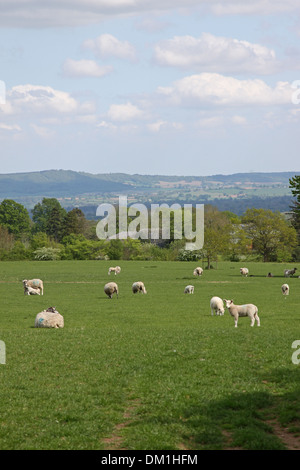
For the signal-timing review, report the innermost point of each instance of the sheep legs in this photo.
(253, 318)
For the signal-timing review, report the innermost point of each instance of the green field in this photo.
(153, 371)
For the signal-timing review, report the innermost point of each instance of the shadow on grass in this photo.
(244, 420)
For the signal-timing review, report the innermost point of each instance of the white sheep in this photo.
(247, 310)
(216, 305)
(244, 271)
(139, 287)
(111, 288)
(198, 271)
(49, 318)
(189, 289)
(289, 272)
(31, 291)
(115, 269)
(35, 284)
(285, 289)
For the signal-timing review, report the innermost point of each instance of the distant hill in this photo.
(233, 192)
(55, 183)
(62, 183)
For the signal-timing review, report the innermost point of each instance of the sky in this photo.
(170, 87)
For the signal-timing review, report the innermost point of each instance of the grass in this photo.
(153, 371)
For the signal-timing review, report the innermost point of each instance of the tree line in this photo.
(51, 232)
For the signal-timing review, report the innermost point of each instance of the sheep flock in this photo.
(51, 318)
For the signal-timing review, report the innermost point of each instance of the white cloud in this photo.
(85, 68)
(10, 127)
(107, 45)
(217, 90)
(164, 125)
(38, 99)
(124, 112)
(43, 132)
(215, 54)
(39, 14)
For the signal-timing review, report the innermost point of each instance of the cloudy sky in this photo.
(177, 87)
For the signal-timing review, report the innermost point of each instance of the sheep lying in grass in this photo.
(139, 287)
(49, 318)
(34, 283)
(198, 271)
(216, 305)
(31, 291)
(244, 271)
(111, 288)
(289, 272)
(285, 289)
(116, 270)
(189, 289)
(247, 310)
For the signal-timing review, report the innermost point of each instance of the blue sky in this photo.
(179, 87)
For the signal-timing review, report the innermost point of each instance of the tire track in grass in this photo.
(115, 440)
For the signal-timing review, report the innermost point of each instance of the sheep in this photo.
(289, 272)
(216, 305)
(111, 288)
(189, 289)
(34, 283)
(270, 275)
(285, 289)
(244, 271)
(198, 271)
(116, 270)
(49, 318)
(247, 310)
(138, 287)
(30, 291)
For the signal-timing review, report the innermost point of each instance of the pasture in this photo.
(148, 372)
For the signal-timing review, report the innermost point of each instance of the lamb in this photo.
(198, 271)
(31, 291)
(285, 289)
(49, 318)
(35, 284)
(138, 287)
(270, 275)
(111, 288)
(247, 310)
(216, 305)
(116, 270)
(289, 272)
(244, 271)
(189, 289)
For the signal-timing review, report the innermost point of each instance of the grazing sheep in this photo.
(247, 310)
(289, 272)
(216, 305)
(49, 318)
(111, 288)
(270, 275)
(116, 270)
(138, 287)
(244, 271)
(35, 284)
(30, 291)
(285, 289)
(189, 290)
(198, 271)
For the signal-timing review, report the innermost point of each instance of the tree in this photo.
(54, 226)
(74, 222)
(295, 187)
(14, 217)
(270, 233)
(217, 233)
(42, 212)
